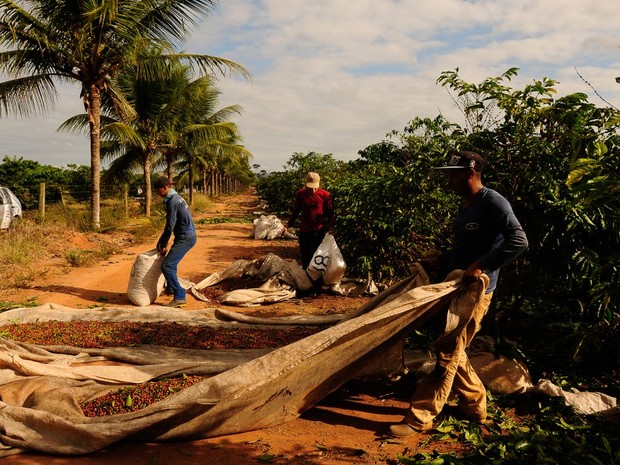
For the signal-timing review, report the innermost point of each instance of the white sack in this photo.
(266, 267)
(327, 261)
(267, 227)
(295, 276)
(583, 402)
(146, 280)
(500, 374)
(355, 287)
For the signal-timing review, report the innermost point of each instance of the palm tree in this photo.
(225, 156)
(132, 139)
(228, 158)
(50, 42)
(199, 130)
(169, 118)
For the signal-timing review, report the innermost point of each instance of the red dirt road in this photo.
(345, 428)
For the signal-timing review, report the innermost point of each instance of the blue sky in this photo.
(334, 76)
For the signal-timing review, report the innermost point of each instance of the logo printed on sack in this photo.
(321, 261)
(327, 262)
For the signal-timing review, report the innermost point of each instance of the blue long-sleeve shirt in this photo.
(178, 219)
(488, 231)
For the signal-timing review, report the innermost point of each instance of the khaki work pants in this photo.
(452, 373)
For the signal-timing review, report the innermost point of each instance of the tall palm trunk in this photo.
(147, 186)
(93, 100)
(209, 189)
(191, 181)
(169, 161)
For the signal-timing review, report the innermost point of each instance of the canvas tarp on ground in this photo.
(282, 279)
(41, 387)
(258, 393)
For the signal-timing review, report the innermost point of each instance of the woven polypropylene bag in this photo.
(146, 281)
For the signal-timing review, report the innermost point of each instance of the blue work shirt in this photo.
(488, 231)
(178, 219)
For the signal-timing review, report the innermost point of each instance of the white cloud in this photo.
(36, 138)
(334, 76)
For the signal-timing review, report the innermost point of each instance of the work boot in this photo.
(402, 430)
(177, 303)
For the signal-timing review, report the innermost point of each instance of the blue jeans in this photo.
(180, 247)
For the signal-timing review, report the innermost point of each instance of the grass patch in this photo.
(22, 247)
(76, 216)
(20, 244)
(32, 302)
(201, 203)
(33, 246)
(146, 229)
(79, 257)
(223, 219)
(85, 257)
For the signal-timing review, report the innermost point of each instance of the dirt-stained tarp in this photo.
(43, 386)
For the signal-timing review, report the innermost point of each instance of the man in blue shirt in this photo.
(486, 236)
(178, 222)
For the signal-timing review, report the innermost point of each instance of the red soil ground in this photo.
(346, 428)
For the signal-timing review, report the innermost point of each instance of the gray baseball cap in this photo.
(464, 159)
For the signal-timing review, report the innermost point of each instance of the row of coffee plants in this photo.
(557, 161)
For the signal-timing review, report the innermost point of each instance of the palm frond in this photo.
(203, 133)
(172, 20)
(199, 64)
(119, 104)
(77, 124)
(125, 134)
(111, 150)
(27, 95)
(122, 165)
(227, 112)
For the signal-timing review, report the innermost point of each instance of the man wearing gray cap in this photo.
(178, 222)
(486, 236)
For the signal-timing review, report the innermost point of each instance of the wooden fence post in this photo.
(42, 200)
(62, 199)
(126, 200)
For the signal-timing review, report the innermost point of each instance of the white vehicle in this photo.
(10, 207)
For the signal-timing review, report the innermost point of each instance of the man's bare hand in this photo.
(430, 260)
(472, 273)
